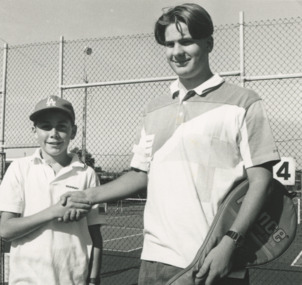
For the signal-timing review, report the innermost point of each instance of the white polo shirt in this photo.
(56, 253)
(195, 148)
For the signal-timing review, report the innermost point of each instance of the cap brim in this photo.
(33, 117)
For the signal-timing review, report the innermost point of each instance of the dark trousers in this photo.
(156, 273)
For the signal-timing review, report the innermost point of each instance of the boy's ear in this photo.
(34, 131)
(73, 131)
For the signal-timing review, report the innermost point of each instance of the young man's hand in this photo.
(76, 206)
(78, 199)
(217, 264)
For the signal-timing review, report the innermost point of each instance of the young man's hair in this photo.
(197, 19)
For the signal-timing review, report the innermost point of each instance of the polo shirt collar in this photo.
(75, 162)
(176, 87)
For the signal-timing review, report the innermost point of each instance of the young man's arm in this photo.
(218, 263)
(95, 262)
(127, 184)
(12, 226)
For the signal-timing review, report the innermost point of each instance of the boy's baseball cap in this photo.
(53, 103)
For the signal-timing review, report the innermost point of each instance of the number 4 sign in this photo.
(285, 171)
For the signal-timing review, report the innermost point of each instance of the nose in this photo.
(54, 133)
(177, 49)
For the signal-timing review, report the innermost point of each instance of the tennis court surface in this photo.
(123, 240)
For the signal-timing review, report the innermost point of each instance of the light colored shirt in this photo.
(194, 150)
(57, 253)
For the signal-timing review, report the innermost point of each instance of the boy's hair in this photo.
(197, 19)
(53, 103)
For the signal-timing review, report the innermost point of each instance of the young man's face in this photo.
(187, 57)
(53, 131)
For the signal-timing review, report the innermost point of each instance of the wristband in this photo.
(236, 237)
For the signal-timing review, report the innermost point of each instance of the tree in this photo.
(89, 160)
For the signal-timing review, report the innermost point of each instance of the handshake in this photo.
(72, 206)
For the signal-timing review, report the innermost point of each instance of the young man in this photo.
(196, 142)
(44, 250)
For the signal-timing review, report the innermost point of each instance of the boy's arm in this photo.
(12, 226)
(95, 262)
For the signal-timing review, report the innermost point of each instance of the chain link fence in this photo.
(130, 70)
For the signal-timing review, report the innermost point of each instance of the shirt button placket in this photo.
(181, 109)
(180, 115)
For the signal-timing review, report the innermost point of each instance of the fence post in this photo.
(61, 62)
(299, 210)
(84, 125)
(2, 152)
(87, 52)
(2, 139)
(241, 47)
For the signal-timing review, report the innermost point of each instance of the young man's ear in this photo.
(74, 131)
(210, 43)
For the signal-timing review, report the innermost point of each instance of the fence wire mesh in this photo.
(114, 111)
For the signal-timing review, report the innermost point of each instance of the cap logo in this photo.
(50, 102)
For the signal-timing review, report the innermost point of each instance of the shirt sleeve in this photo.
(257, 145)
(97, 215)
(142, 151)
(11, 190)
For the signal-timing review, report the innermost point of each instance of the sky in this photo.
(35, 21)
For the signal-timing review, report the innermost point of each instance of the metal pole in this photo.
(160, 79)
(273, 76)
(241, 46)
(136, 81)
(299, 210)
(61, 61)
(2, 149)
(84, 125)
(2, 139)
(87, 52)
(112, 83)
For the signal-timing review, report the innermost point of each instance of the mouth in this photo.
(180, 62)
(55, 144)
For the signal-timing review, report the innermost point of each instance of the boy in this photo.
(44, 250)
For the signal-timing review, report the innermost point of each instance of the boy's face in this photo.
(186, 56)
(53, 131)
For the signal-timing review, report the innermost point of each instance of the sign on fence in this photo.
(285, 171)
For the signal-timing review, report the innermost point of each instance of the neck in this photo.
(62, 159)
(192, 83)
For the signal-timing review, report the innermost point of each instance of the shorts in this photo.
(156, 273)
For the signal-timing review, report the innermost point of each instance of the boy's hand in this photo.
(73, 215)
(58, 210)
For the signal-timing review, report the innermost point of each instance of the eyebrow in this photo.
(180, 40)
